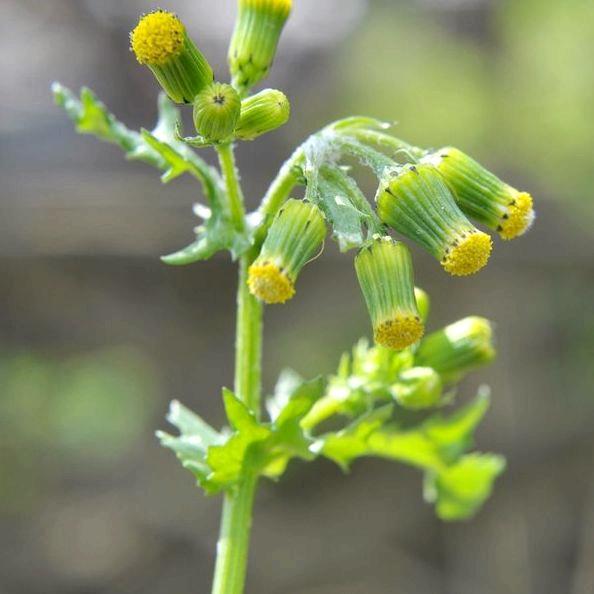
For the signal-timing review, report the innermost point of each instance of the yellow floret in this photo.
(519, 217)
(280, 7)
(158, 37)
(269, 283)
(399, 332)
(468, 255)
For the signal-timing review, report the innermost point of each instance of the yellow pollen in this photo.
(158, 37)
(520, 216)
(399, 332)
(269, 283)
(469, 255)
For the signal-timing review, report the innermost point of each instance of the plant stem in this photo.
(231, 177)
(233, 545)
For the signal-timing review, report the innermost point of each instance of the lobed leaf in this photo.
(459, 490)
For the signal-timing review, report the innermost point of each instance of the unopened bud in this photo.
(417, 203)
(423, 303)
(458, 348)
(482, 195)
(385, 273)
(295, 236)
(216, 111)
(255, 38)
(161, 42)
(418, 388)
(262, 113)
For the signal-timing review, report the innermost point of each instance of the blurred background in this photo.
(96, 335)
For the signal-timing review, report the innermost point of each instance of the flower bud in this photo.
(458, 348)
(384, 270)
(255, 38)
(295, 236)
(423, 303)
(418, 388)
(216, 111)
(483, 196)
(161, 42)
(417, 202)
(262, 113)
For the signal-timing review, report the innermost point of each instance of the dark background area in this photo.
(97, 335)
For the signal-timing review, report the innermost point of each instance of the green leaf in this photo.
(461, 489)
(216, 234)
(191, 446)
(453, 435)
(231, 460)
(292, 400)
(435, 443)
(353, 441)
(159, 148)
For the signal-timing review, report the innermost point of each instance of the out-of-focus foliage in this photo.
(522, 83)
(83, 410)
(361, 398)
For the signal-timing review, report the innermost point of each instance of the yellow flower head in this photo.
(269, 283)
(468, 255)
(518, 218)
(482, 195)
(399, 332)
(158, 37)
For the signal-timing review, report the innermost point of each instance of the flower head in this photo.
(296, 234)
(384, 270)
(261, 113)
(482, 195)
(416, 201)
(458, 348)
(418, 388)
(158, 37)
(216, 111)
(160, 41)
(255, 38)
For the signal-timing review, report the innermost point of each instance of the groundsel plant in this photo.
(387, 399)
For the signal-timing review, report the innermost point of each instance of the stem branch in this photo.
(234, 192)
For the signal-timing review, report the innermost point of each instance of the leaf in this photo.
(435, 443)
(461, 489)
(191, 446)
(454, 434)
(216, 234)
(353, 441)
(231, 460)
(159, 148)
(293, 399)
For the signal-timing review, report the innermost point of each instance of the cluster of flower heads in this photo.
(221, 111)
(429, 200)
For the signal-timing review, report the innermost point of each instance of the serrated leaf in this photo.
(454, 434)
(159, 148)
(353, 441)
(436, 442)
(191, 446)
(461, 489)
(231, 460)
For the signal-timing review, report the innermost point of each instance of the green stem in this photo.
(233, 545)
(231, 177)
(248, 346)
